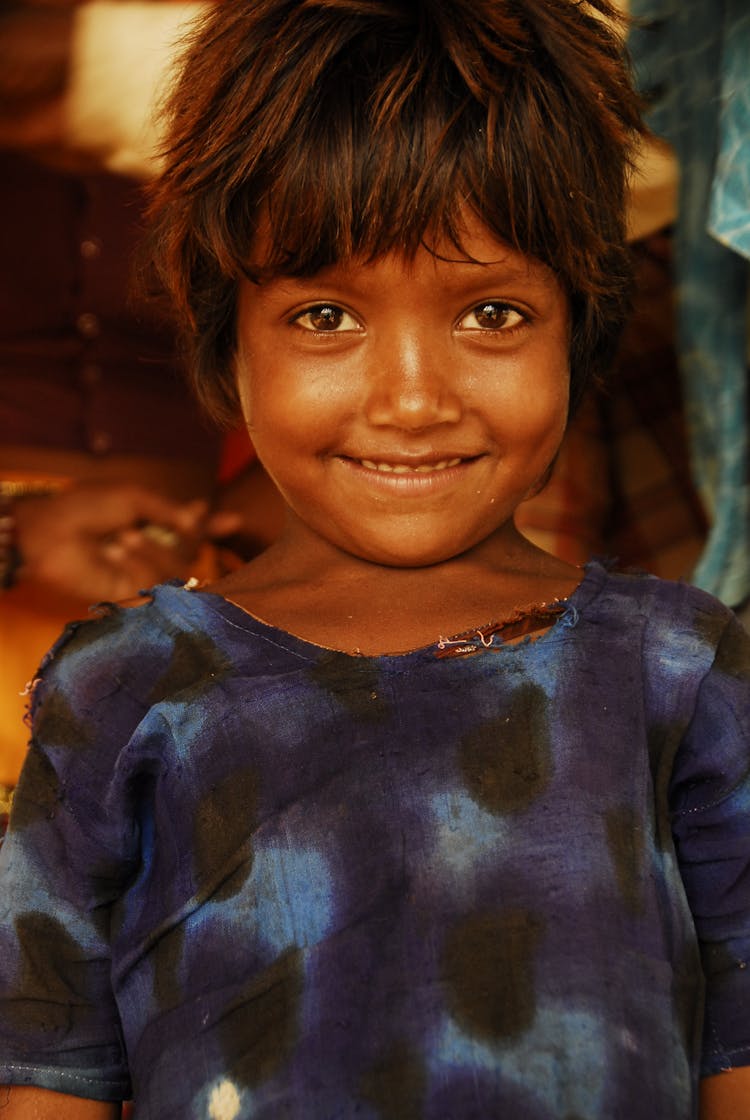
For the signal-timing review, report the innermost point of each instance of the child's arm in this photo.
(726, 1096)
(21, 1102)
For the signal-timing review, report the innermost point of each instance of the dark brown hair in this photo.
(356, 127)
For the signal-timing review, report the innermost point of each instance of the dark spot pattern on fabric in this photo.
(48, 1001)
(354, 684)
(626, 844)
(708, 628)
(488, 970)
(167, 957)
(78, 636)
(56, 722)
(663, 742)
(733, 654)
(507, 762)
(232, 883)
(260, 1026)
(41, 791)
(225, 818)
(395, 1085)
(195, 662)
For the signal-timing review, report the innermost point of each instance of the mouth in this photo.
(385, 467)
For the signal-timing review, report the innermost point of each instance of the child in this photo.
(405, 819)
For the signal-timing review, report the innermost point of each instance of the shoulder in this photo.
(126, 659)
(666, 614)
(640, 588)
(671, 635)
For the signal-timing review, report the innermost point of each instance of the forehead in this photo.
(477, 256)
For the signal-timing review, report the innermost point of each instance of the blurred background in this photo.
(110, 477)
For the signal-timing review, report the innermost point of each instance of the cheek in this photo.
(554, 406)
(532, 408)
(300, 406)
(265, 396)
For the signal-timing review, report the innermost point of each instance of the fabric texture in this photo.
(249, 877)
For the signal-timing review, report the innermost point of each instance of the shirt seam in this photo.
(62, 1072)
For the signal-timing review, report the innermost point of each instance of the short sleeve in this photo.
(71, 846)
(710, 800)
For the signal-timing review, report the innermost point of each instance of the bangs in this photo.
(411, 117)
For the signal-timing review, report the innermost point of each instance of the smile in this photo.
(404, 468)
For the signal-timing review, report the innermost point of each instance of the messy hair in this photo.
(352, 128)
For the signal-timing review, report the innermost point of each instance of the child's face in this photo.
(405, 408)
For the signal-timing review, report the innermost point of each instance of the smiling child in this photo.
(406, 819)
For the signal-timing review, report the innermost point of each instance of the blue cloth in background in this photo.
(694, 56)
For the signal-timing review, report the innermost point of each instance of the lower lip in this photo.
(413, 482)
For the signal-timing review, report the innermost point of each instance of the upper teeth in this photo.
(402, 468)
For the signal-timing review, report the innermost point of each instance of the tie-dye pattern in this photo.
(248, 877)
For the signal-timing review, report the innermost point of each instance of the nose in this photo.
(411, 384)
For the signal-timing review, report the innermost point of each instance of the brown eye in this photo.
(492, 315)
(325, 318)
(489, 315)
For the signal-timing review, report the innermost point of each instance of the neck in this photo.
(335, 599)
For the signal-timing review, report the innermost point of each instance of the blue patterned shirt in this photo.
(249, 877)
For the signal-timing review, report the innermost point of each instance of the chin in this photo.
(404, 554)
